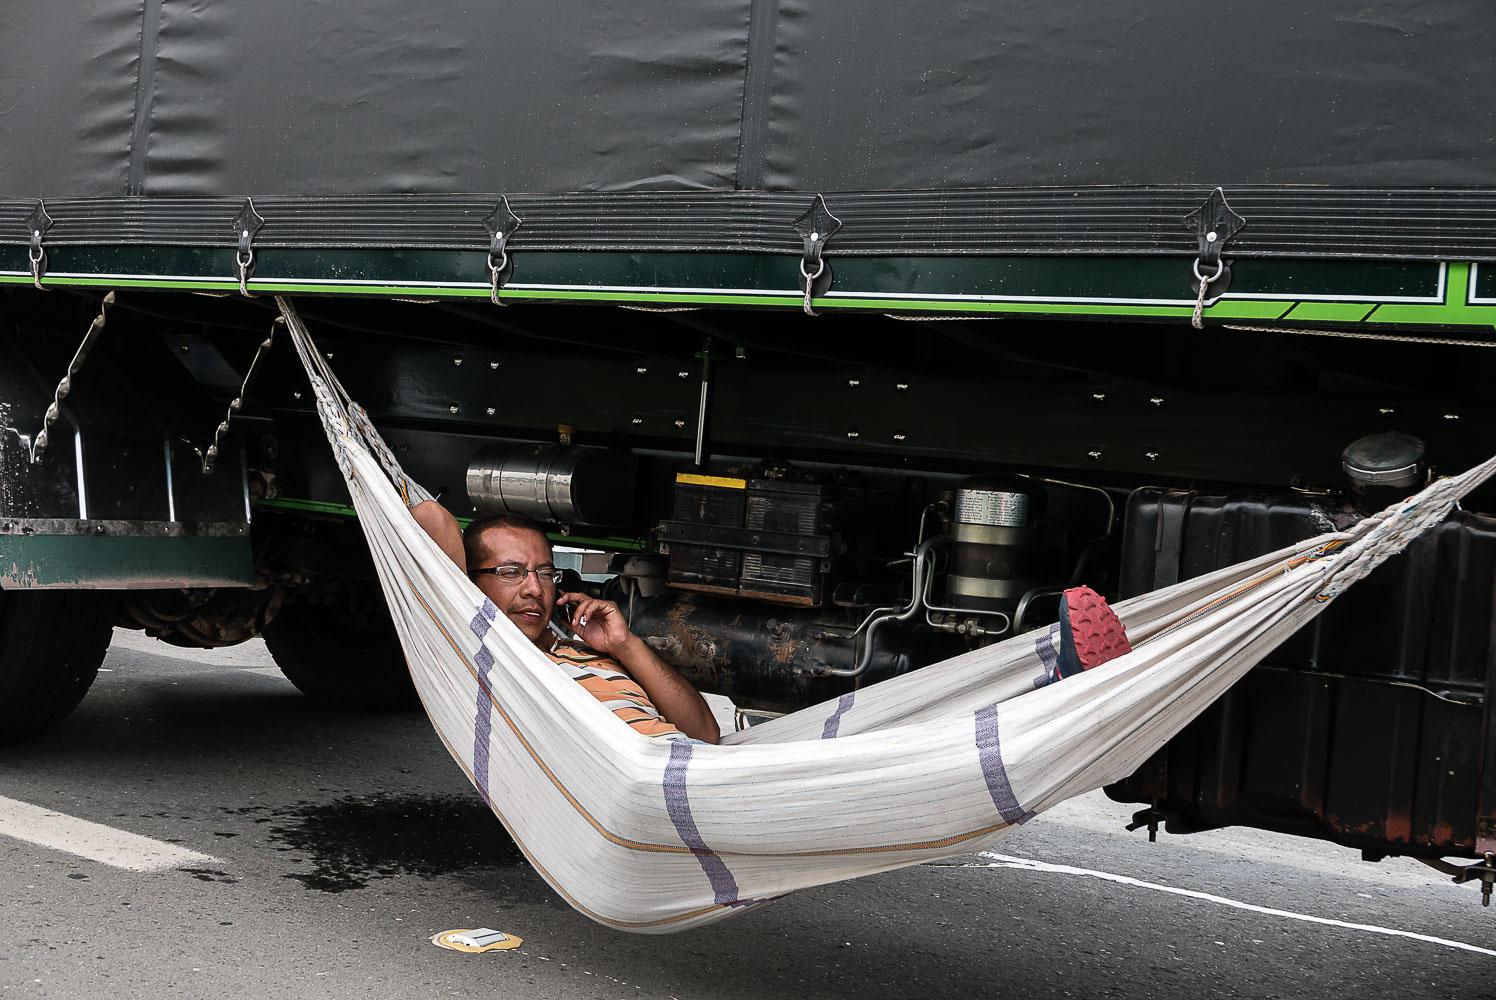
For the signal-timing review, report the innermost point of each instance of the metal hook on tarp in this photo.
(246, 226)
(37, 224)
(501, 224)
(815, 227)
(1213, 223)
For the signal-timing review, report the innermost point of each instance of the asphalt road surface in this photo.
(198, 829)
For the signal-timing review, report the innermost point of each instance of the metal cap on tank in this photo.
(998, 552)
(997, 500)
(1390, 458)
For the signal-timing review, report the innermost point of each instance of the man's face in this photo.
(528, 603)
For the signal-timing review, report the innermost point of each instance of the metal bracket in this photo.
(815, 227)
(210, 456)
(1484, 870)
(246, 227)
(705, 398)
(37, 445)
(37, 224)
(1150, 818)
(1213, 223)
(501, 224)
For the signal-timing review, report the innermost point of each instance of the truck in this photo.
(830, 341)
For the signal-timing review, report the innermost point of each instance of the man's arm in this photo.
(439, 523)
(600, 625)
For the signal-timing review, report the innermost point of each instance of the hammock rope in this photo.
(656, 836)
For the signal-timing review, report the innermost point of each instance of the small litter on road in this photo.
(475, 941)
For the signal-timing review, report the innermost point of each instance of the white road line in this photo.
(1028, 864)
(94, 841)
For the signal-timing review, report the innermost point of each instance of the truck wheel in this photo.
(342, 659)
(51, 645)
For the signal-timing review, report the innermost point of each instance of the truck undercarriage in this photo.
(787, 507)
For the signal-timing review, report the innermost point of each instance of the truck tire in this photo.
(51, 645)
(341, 660)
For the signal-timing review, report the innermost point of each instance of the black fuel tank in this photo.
(1367, 727)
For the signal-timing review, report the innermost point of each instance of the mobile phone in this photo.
(561, 618)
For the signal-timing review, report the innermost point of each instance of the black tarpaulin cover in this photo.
(103, 98)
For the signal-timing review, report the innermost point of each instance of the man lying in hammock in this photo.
(510, 560)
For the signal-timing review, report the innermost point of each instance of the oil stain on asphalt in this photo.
(358, 839)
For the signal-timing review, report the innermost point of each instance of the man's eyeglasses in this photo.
(512, 574)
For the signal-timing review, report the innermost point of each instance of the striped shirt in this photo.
(605, 679)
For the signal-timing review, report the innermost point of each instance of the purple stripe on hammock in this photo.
(989, 752)
(483, 620)
(482, 722)
(483, 714)
(1047, 646)
(724, 886)
(834, 723)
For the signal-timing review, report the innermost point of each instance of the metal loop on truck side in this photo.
(815, 227)
(37, 224)
(496, 268)
(808, 280)
(244, 264)
(501, 224)
(38, 258)
(1197, 320)
(247, 225)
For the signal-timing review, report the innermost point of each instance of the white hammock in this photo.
(655, 836)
